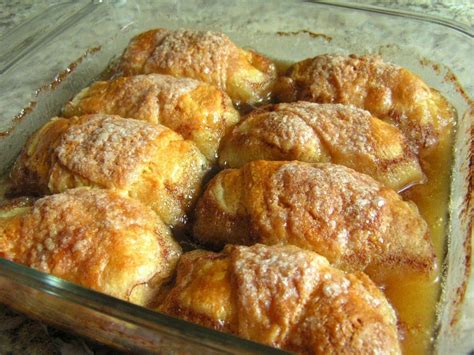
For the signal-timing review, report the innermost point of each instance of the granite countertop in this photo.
(19, 334)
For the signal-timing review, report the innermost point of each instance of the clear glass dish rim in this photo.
(455, 25)
(144, 317)
(122, 310)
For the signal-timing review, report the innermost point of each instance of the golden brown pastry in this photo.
(30, 173)
(208, 56)
(148, 162)
(285, 297)
(346, 216)
(198, 111)
(92, 237)
(389, 92)
(324, 133)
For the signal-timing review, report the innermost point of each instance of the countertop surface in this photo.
(21, 335)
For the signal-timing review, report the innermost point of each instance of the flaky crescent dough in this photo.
(95, 238)
(335, 211)
(313, 133)
(135, 158)
(198, 111)
(387, 91)
(212, 57)
(285, 297)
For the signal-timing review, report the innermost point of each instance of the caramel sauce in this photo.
(309, 33)
(413, 297)
(4, 186)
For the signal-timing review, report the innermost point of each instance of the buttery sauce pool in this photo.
(415, 300)
(414, 297)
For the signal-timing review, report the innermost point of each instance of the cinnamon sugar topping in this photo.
(201, 52)
(108, 150)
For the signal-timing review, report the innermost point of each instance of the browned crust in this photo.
(313, 133)
(95, 238)
(389, 92)
(148, 162)
(290, 203)
(198, 111)
(208, 56)
(285, 297)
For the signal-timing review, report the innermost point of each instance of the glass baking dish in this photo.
(44, 62)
